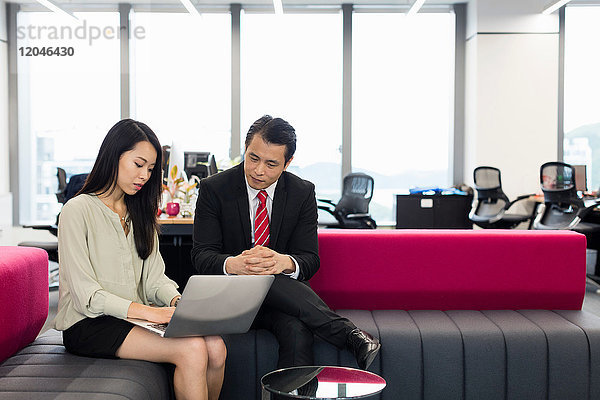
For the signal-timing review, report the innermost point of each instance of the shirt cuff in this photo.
(296, 273)
(166, 293)
(116, 306)
(224, 264)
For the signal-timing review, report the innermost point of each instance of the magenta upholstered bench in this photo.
(460, 314)
(42, 369)
(23, 297)
(451, 269)
(478, 314)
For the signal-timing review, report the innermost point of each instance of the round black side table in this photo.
(320, 383)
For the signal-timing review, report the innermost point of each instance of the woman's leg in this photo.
(190, 356)
(217, 352)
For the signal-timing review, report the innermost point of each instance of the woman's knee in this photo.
(217, 351)
(193, 352)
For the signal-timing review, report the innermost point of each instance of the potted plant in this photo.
(170, 190)
(180, 194)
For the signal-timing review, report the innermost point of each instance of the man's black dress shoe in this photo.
(364, 346)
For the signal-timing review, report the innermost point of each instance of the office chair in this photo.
(64, 192)
(563, 209)
(490, 208)
(352, 210)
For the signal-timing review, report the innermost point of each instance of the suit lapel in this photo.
(279, 201)
(243, 207)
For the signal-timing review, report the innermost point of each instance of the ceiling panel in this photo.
(77, 3)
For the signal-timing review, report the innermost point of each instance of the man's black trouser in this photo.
(293, 312)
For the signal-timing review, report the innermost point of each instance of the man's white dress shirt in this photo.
(253, 201)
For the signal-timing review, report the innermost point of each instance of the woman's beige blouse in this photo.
(100, 272)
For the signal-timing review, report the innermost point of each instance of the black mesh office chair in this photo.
(562, 208)
(352, 210)
(490, 210)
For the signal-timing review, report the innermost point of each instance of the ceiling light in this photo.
(278, 6)
(555, 5)
(190, 7)
(415, 7)
(56, 9)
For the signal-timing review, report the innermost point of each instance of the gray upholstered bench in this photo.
(45, 370)
(497, 354)
(427, 354)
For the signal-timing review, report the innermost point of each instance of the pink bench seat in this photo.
(23, 295)
(451, 269)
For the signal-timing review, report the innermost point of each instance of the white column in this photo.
(511, 112)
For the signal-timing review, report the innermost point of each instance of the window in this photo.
(67, 104)
(582, 86)
(295, 73)
(181, 79)
(291, 67)
(402, 103)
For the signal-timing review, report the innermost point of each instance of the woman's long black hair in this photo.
(142, 206)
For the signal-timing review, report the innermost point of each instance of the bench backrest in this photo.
(451, 269)
(23, 296)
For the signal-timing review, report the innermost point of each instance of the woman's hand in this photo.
(160, 315)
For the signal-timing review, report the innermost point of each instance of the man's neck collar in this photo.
(254, 192)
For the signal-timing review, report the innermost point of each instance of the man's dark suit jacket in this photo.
(222, 222)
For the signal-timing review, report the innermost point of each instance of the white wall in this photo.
(511, 91)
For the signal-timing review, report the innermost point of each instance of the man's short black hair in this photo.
(274, 131)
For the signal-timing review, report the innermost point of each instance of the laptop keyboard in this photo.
(160, 327)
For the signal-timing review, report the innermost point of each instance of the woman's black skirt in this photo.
(97, 337)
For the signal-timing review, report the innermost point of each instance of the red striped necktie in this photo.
(261, 221)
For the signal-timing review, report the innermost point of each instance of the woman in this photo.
(111, 269)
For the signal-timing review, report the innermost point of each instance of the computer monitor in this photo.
(580, 177)
(212, 165)
(198, 163)
(166, 152)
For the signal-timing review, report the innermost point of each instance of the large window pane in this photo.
(402, 103)
(67, 103)
(582, 89)
(181, 71)
(292, 68)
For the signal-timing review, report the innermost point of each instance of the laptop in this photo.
(214, 305)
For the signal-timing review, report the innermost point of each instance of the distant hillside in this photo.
(328, 175)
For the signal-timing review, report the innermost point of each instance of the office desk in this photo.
(175, 244)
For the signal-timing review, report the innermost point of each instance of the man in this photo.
(258, 219)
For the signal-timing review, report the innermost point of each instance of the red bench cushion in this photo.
(451, 269)
(23, 296)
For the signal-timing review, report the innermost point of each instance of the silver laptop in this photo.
(215, 305)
